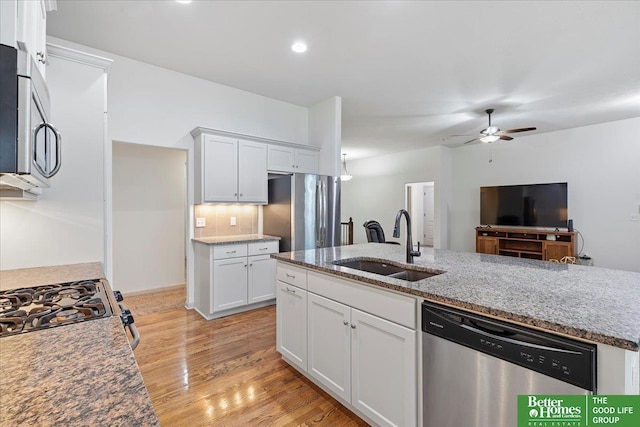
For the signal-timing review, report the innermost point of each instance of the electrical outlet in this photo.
(233, 221)
(635, 217)
(201, 222)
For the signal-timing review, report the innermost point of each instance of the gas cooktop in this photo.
(42, 307)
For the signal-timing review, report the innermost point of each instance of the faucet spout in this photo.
(396, 233)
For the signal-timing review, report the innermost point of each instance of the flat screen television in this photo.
(534, 205)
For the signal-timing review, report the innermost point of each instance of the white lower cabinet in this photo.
(230, 283)
(261, 280)
(363, 359)
(383, 370)
(229, 278)
(291, 324)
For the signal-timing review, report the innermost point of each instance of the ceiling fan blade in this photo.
(505, 137)
(471, 140)
(519, 130)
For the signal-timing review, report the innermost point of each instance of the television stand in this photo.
(526, 243)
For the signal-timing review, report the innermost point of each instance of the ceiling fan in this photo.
(493, 133)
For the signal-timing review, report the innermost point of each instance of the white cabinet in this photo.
(361, 342)
(230, 170)
(229, 283)
(23, 24)
(233, 278)
(363, 359)
(289, 159)
(261, 280)
(252, 172)
(383, 370)
(329, 344)
(291, 324)
(220, 170)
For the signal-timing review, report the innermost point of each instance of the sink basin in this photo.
(389, 268)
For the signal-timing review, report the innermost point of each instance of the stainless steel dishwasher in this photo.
(475, 367)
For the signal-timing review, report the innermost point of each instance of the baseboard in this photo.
(159, 289)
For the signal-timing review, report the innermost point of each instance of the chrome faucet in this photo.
(396, 233)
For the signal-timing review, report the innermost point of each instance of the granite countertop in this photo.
(28, 277)
(240, 238)
(79, 374)
(596, 304)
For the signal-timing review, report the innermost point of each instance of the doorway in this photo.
(149, 204)
(419, 202)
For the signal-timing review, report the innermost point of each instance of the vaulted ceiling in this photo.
(410, 73)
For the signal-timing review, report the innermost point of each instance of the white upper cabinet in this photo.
(289, 159)
(306, 161)
(252, 172)
(230, 171)
(220, 169)
(232, 168)
(23, 24)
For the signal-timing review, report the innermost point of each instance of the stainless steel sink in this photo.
(389, 268)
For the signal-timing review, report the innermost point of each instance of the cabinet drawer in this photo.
(229, 251)
(261, 248)
(292, 275)
(381, 303)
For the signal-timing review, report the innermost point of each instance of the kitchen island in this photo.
(78, 374)
(585, 303)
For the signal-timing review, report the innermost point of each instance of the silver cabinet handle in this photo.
(251, 265)
(245, 266)
(41, 58)
(290, 290)
(262, 249)
(353, 326)
(231, 252)
(235, 194)
(241, 194)
(290, 275)
(345, 323)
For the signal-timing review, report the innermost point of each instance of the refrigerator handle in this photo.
(318, 214)
(325, 216)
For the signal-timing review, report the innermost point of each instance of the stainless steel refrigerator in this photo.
(304, 210)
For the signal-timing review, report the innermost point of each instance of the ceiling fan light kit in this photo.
(493, 133)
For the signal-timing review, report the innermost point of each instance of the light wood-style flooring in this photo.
(223, 372)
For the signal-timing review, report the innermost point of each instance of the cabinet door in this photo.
(383, 364)
(229, 283)
(262, 278)
(252, 172)
(31, 30)
(220, 166)
(281, 159)
(487, 245)
(291, 324)
(306, 161)
(556, 250)
(330, 344)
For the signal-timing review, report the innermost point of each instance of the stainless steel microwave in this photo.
(30, 146)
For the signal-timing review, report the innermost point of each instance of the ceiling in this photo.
(410, 73)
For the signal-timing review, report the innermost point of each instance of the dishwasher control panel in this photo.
(570, 361)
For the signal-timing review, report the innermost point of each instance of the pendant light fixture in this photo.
(345, 175)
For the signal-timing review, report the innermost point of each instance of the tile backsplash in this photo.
(218, 220)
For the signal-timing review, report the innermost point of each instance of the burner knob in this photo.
(118, 295)
(127, 317)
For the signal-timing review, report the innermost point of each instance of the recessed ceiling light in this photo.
(299, 47)
(183, 1)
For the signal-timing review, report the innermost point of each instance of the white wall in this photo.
(66, 224)
(149, 200)
(600, 163)
(325, 130)
(377, 190)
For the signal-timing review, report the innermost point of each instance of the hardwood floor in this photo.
(223, 372)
